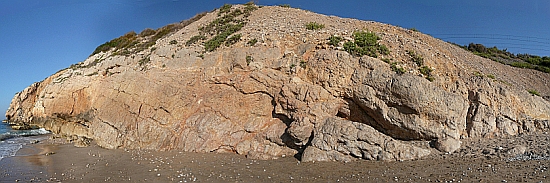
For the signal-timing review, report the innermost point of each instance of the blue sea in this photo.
(13, 140)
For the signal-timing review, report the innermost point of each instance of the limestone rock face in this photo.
(290, 93)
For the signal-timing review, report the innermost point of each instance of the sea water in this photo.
(13, 140)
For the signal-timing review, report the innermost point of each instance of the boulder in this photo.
(447, 145)
(343, 140)
(516, 150)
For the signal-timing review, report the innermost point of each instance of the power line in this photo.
(494, 38)
(512, 43)
(495, 35)
(516, 42)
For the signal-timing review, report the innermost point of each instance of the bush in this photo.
(430, 78)
(427, 72)
(350, 47)
(384, 50)
(224, 9)
(478, 74)
(534, 92)
(543, 68)
(222, 28)
(147, 32)
(314, 26)
(217, 40)
(252, 42)
(414, 29)
(334, 40)
(249, 59)
(163, 31)
(144, 61)
(365, 39)
(173, 42)
(505, 57)
(194, 39)
(417, 59)
(125, 41)
(303, 64)
(365, 43)
(284, 5)
(249, 8)
(398, 70)
(292, 66)
(521, 65)
(233, 39)
(185, 23)
(129, 43)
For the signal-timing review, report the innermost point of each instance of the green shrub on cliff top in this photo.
(132, 43)
(334, 40)
(223, 27)
(314, 26)
(365, 43)
(128, 39)
(147, 32)
(284, 5)
(224, 9)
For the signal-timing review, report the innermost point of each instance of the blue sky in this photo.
(40, 37)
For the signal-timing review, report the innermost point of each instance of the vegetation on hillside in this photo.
(131, 42)
(334, 40)
(220, 31)
(417, 59)
(285, 5)
(427, 72)
(515, 60)
(365, 43)
(314, 26)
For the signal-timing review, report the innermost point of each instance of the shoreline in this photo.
(67, 163)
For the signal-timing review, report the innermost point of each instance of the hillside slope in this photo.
(256, 81)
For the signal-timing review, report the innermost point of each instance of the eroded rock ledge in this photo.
(289, 94)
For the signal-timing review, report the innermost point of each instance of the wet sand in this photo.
(54, 161)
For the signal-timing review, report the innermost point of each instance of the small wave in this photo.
(23, 133)
(34, 132)
(12, 141)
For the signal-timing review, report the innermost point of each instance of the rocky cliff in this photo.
(258, 81)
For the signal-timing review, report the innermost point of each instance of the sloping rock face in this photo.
(288, 94)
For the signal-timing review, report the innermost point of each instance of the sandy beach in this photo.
(54, 160)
